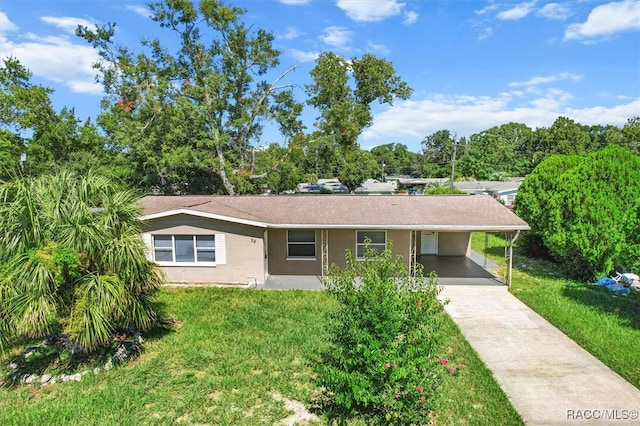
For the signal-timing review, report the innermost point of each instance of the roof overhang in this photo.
(449, 228)
(204, 215)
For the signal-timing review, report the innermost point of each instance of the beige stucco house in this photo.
(246, 239)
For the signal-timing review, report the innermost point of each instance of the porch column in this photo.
(510, 263)
(324, 250)
(413, 252)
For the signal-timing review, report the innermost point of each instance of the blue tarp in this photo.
(613, 286)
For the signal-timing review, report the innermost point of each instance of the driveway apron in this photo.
(549, 378)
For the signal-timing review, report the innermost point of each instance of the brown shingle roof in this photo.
(478, 212)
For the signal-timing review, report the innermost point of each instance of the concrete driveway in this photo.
(549, 378)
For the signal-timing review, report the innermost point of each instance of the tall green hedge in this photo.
(586, 210)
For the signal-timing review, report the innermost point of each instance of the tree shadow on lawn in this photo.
(626, 307)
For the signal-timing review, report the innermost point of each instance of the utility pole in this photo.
(453, 161)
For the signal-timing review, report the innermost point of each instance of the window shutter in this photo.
(148, 242)
(221, 253)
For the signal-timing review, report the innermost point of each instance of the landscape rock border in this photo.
(125, 349)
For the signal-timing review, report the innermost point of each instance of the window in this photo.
(377, 239)
(301, 243)
(184, 248)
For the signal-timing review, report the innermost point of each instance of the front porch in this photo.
(451, 270)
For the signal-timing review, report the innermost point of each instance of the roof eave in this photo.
(459, 228)
(197, 213)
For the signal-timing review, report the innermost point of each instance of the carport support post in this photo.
(486, 244)
(510, 266)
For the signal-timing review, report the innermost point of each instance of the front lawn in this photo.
(605, 324)
(233, 357)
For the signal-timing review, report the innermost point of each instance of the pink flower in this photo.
(460, 367)
(420, 389)
(444, 361)
(423, 399)
(396, 395)
(452, 370)
(387, 366)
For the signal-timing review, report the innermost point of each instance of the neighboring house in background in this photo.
(374, 186)
(246, 239)
(505, 192)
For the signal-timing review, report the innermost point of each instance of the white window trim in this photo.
(374, 244)
(304, 258)
(219, 249)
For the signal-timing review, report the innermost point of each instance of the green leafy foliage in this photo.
(188, 113)
(500, 149)
(74, 265)
(585, 210)
(383, 365)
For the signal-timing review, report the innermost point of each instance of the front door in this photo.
(428, 242)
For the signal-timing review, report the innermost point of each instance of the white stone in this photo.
(45, 379)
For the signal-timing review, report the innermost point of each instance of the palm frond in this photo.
(100, 301)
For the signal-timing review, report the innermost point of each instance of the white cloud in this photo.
(410, 18)
(370, 10)
(5, 23)
(336, 37)
(488, 8)
(302, 56)
(517, 12)
(410, 121)
(67, 23)
(140, 10)
(291, 34)
(486, 33)
(535, 81)
(607, 19)
(555, 11)
(56, 59)
(381, 49)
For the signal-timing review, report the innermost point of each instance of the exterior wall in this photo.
(340, 240)
(278, 262)
(454, 243)
(245, 255)
(507, 197)
(244, 250)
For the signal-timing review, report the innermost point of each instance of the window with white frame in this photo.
(184, 248)
(301, 244)
(376, 239)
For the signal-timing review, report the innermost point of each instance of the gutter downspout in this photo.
(510, 267)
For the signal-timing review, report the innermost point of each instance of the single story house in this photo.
(503, 191)
(246, 239)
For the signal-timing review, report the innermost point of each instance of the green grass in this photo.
(605, 324)
(226, 360)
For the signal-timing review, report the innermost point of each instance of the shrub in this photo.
(383, 365)
(585, 210)
(73, 264)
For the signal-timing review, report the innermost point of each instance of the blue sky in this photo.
(472, 64)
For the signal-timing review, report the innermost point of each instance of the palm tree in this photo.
(72, 263)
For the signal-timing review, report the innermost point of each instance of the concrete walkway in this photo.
(549, 379)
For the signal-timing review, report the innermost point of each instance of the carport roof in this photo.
(438, 213)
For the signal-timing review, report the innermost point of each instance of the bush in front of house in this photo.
(74, 268)
(383, 364)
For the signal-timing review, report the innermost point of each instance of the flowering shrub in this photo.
(383, 365)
